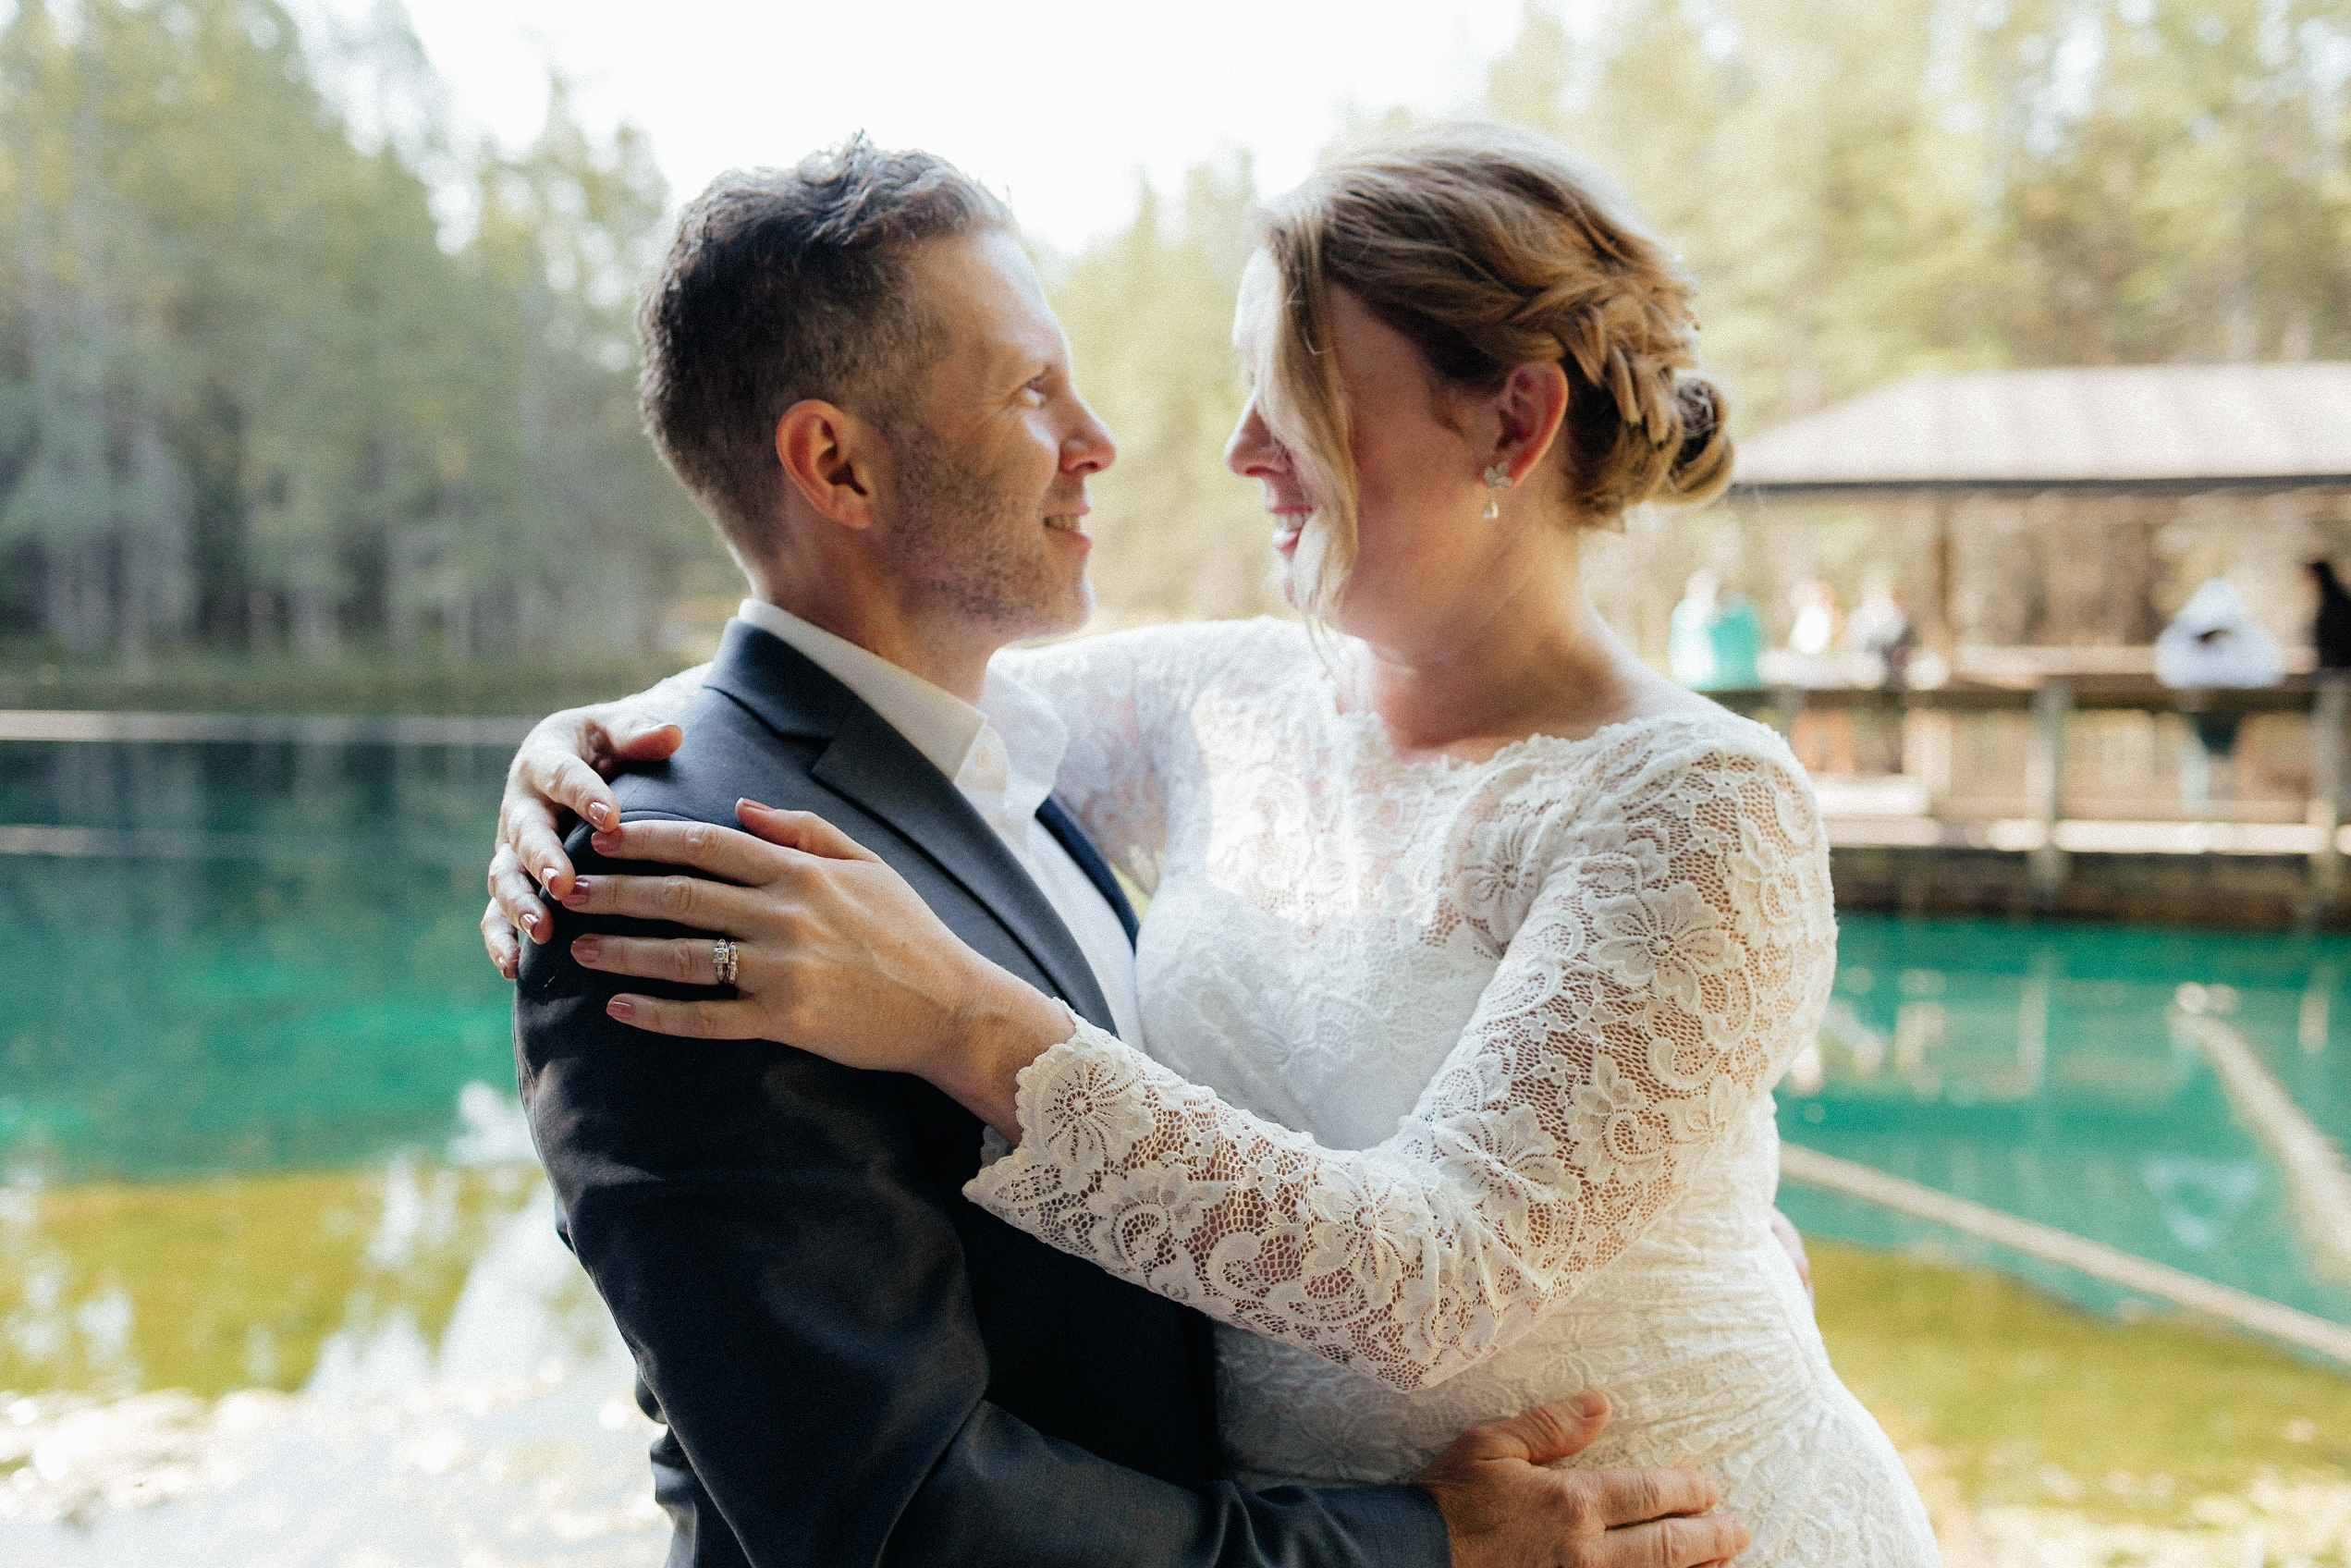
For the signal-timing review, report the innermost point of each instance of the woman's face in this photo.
(1425, 554)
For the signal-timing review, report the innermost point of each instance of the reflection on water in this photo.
(258, 1133)
(217, 1011)
(342, 1284)
(462, 1395)
(2066, 1073)
(451, 1388)
(257, 1127)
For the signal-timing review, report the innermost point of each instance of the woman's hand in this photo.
(833, 952)
(560, 768)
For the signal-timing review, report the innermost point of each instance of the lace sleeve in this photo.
(1126, 698)
(1678, 952)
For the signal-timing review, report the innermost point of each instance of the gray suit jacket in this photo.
(855, 1365)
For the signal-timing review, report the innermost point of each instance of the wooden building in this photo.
(2043, 524)
(2075, 508)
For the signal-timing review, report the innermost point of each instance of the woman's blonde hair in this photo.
(1490, 248)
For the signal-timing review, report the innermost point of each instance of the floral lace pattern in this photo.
(1457, 1090)
(1662, 912)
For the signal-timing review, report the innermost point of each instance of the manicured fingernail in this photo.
(535, 921)
(578, 897)
(585, 949)
(621, 1008)
(600, 814)
(606, 841)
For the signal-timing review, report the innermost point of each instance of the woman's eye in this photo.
(1035, 389)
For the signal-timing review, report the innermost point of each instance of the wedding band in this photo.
(722, 959)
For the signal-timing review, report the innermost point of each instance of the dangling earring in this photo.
(1497, 480)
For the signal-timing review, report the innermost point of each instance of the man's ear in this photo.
(832, 457)
(1531, 407)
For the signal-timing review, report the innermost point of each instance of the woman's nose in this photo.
(1253, 452)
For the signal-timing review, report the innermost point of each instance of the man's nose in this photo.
(1253, 452)
(1089, 448)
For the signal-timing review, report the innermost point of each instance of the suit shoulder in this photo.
(727, 753)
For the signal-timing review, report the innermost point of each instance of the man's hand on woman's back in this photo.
(1503, 1509)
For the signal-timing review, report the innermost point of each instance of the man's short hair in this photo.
(784, 285)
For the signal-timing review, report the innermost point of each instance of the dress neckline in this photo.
(1372, 729)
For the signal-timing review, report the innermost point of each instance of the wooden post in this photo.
(2032, 1024)
(2328, 708)
(1945, 639)
(1928, 740)
(2044, 765)
(1787, 704)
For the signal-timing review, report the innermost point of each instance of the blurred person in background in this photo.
(1877, 635)
(1821, 737)
(2214, 643)
(1714, 639)
(1813, 634)
(1491, 1150)
(1689, 651)
(2331, 629)
(1877, 644)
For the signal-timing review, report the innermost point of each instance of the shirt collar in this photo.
(1034, 740)
(1011, 744)
(934, 720)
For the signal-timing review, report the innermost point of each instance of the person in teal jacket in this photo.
(1713, 639)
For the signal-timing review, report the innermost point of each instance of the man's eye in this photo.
(1035, 389)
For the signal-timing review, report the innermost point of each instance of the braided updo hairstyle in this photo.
(1490, 248)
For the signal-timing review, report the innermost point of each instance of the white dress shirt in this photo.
(1003, 755)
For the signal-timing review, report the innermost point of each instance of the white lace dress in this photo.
(1458, 1091)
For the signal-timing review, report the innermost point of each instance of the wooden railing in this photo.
(2045, 831)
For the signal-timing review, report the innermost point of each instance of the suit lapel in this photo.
(871, 764)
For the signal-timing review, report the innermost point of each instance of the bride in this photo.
(1473, 947)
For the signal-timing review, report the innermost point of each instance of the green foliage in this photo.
(253, 394)
(1868, 188)
(1863, 189)
(2192, 202)
(248, 396)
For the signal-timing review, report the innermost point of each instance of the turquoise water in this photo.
(2041, 1069)
(263, 956)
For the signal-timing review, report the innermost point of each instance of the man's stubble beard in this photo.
(957, 543)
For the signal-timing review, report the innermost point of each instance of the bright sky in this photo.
(1063, 105)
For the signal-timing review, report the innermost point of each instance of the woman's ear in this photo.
(830, 456)
(1531, 407)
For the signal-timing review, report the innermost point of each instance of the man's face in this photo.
(985, 494)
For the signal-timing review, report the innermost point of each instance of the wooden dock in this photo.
(2027, 832)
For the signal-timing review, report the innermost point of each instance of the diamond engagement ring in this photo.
(722, 959)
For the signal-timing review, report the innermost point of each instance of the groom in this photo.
(852, 366)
